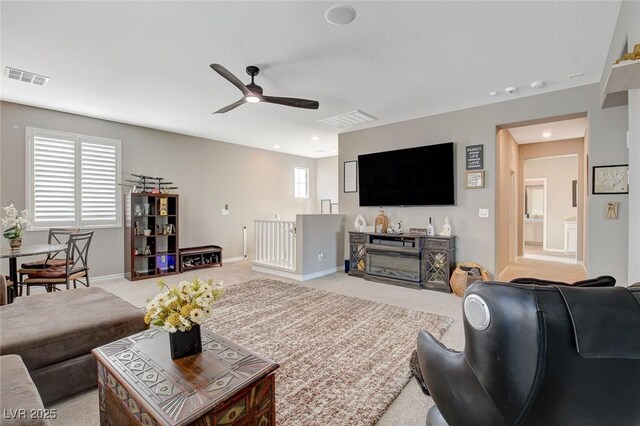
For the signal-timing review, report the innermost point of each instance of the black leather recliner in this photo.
(538, 355)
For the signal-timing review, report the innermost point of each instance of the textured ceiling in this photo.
(147, 63)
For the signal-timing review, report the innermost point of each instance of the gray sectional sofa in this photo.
(54, 333)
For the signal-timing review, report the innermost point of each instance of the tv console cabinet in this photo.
(407, 260)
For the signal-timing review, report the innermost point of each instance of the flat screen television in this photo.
(422, 176)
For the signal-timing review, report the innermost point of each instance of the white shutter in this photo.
(53, 173)
(72, 180)
(98, 181)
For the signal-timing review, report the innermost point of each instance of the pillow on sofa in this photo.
(601, 281)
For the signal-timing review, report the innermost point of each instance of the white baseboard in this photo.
(106, 277)
(293, 275)
(503, 272)
(232, 259)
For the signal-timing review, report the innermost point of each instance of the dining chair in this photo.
(56, 236)
(75, 269)
(6, 290)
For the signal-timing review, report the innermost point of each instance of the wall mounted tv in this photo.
(422, 176)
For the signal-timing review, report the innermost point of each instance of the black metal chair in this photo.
(75, 269)
(56, 236)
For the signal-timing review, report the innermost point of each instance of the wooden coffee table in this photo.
(226, 384)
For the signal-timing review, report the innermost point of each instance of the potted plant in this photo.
(180, 310)
(14, 224)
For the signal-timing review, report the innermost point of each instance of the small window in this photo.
(72, 180)
(302, 182)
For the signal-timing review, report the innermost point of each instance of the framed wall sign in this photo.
(351, 176)
(610, 179)
(475, 158)
(475, 179)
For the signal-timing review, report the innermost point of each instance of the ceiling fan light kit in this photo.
(253, 93)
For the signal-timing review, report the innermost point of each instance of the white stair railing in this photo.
(276, 243)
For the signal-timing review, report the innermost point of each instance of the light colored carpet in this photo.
(342, 360)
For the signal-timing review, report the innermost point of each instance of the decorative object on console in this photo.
(14, 223)
(395, 228)
(446, 228)
(382, 222)
(359, 223)
(430, 231)
(180, 310)
(418, 231)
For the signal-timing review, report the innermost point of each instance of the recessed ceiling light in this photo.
(315, 138)
(340, 14)
(276, 146)
(546, 134)
(494, 93)
(539, 84)
(511, 90)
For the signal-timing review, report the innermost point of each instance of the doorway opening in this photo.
(541, 192)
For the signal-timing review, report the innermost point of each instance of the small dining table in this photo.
(29, 250)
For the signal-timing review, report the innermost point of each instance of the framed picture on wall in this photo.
(351, 176)
(325, 206)
(475, 179)
(610, 179)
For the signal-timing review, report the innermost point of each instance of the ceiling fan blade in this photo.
(225, 73)
(292, 102)
(230, 107)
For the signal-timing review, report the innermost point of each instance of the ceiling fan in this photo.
(252, 93)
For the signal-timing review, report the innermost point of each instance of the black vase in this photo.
(185, 343)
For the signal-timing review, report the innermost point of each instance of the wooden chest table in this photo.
(139, 383)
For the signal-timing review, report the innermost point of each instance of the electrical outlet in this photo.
(320, 256)
(225, 212)
(483, 213)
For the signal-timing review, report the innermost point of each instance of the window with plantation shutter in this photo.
(72, 180)
(98, 182)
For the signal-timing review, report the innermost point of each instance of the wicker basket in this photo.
(465, 274)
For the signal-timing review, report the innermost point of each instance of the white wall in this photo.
(559, 172)
(476, 236)
(256, 184)
(326, 180)
(319, 233)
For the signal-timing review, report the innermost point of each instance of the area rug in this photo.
(342, 360)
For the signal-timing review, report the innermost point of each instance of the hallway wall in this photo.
(559, 172)
(551, 149)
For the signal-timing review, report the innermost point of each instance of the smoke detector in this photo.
(25, 76)
(511, 90)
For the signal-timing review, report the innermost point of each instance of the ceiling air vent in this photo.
(347, 119)
(27, 77)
